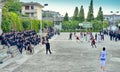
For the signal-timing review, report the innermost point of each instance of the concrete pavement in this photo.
(15, 62)
(70, 56)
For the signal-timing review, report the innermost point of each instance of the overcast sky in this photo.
(63, 6)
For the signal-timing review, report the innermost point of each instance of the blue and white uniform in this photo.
(103, 58)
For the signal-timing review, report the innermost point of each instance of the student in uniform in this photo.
(102, 57)
(48, 47)
(93, 43)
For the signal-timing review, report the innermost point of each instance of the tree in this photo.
(97, 25)
(26, 24)
(100, 14)
(6, 22)
(47, 23)
(70, 25)
(36, 25)
(105, 24)
(16, 21)
(66, 18)
(75, 16)
(13, 6)
(81, 15)
(90, 15)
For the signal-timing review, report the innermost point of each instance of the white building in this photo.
(56, 17)
(32, 10)
(112, 19)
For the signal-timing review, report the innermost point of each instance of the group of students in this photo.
(114, 35)
(88, 36)
(103, 53)
(22, 40)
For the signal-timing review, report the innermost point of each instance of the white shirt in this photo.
(103, 55)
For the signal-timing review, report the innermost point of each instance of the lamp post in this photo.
(54, 19)
(41, 24)
(80, 24)
(61, 22)
(1, 5)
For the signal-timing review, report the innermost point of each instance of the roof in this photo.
(112, 15)
(2, 1)
(32, 3)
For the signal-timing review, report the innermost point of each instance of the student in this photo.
(48, 47)
(93, 43)
(70, 36)
(10, 52)
(103, 59)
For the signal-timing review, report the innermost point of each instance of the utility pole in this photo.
(1, 5)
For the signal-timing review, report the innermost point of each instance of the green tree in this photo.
(90, 15)
(100, 14)
(13, 6)
(19, 24)
(16, 21)
(6, 22)
(37, 24)
(31, 24)
(47, 23)
(70, 25)
(105, 24)
(81, 15)
(97, 25)
(10, 19)
(66, 18)
(26, 23)
(75, 16)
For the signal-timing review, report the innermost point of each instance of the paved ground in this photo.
(71, 56)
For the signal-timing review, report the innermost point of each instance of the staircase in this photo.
(4, 56)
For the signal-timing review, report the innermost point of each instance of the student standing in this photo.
(48, 47)
(102, 57)
(93, 43)
(70, 36)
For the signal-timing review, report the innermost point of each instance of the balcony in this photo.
(30, 11)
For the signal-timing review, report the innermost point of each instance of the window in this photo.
(26, 7)
(32, 7)
(27, 14)
(32, 14)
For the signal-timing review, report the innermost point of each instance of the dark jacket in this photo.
(47, 45)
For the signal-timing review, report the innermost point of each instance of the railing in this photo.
(31, 11)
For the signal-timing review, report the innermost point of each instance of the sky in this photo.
(63, 6)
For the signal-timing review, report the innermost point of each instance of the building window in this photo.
(27, 14)
(32, 7)
(32, 14)
(35, 15)
(26, 7)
